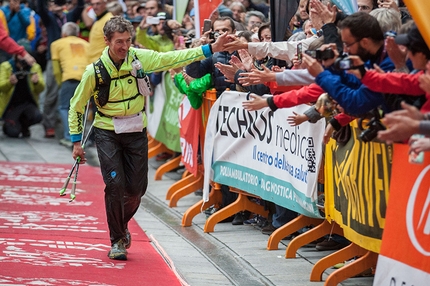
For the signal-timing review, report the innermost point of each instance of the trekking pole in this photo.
(78, 159)
(66, 183)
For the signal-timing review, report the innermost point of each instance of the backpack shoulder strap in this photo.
(103, 79)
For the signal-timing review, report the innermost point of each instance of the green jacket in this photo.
(159, 43)
(194, 91)
(7, 89)
(124, 88)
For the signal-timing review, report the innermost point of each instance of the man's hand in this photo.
(418, 145)
(397, 54)
(328, 132)
(14, 5)
(388, 4)
(13, 80)
(296, 119)
(220, 43)
(234, 44)
(313, 66)
(425, 79)
(78, 152)
(236, 62)
(257, 77)
(399, 128)
(356, 61)
(34, 78)
(228, 71)
(327, 13)
(255, 103)
(246, 59)
(29, 59)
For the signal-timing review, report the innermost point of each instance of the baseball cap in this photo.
(412, 39)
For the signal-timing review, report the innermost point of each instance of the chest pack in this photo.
(103, 81)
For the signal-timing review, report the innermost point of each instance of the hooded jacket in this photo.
(123, 88)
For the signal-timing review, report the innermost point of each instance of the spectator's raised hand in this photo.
(388, 4)
(257, 76)
(396, 53)
(255, 103)
(29, 59)
(327, 13)
(221, 43)
(228, 71)
(237, 63)
(234, 44)
(418, 145)
(296, 119)
(313, 66)
(356, 62)
(246, 59)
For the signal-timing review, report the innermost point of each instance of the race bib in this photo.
(128, 124)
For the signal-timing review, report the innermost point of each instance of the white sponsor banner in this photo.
(154, 108)
(260, 153)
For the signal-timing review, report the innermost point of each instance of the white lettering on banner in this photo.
(239, 175)
(281, 162)
(25, 195)
(187, 152)
(424, 222)
(22, 251)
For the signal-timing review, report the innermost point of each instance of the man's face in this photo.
(151, 8)
(160, 29)
(352, 45)
(254, 20)
(418, 60)
(99, 6)
(222, 27)
(237, 12)
(119, 45)
(364, 5)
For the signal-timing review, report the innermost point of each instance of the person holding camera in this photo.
(20, 86)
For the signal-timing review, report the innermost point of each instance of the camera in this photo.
(153, 20)
(213, 35)
(60, 2)
(343, 63)
(321, 55)
(373, 126)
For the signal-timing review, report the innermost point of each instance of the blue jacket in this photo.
(199, 69)
(17, 22)
(350, 93)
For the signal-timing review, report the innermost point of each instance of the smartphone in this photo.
(299, 52)
(153, 20)
(207, 25)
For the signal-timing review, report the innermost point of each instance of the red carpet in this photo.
(45, 240)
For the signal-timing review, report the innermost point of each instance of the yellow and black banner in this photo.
(357, 188)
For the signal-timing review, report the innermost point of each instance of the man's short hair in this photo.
(226, 18)
(362, 25)
(388, 19)
(258, 14)
(70, 29)
(117, 24)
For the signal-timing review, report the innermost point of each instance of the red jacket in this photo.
(396, 83)
(8, 45)
(292, 98)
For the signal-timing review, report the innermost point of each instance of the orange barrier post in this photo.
(242, 203)
(289, 228)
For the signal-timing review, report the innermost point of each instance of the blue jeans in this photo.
(282, 216)
(67, 90)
